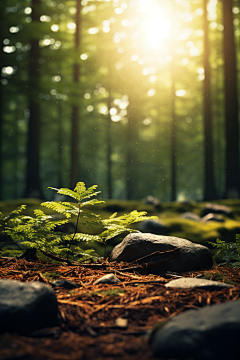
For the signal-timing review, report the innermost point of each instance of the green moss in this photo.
(218, 277)
(51, 276)
(109, 292)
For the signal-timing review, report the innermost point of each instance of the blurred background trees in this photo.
(137, 96)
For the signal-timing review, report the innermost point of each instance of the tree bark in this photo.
(33, 186)
(209, 185)
(60, 146)
(173, 133)
(75, 109)
(232, 189)
(109, 149)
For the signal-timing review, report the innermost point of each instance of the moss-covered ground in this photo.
(169, 213)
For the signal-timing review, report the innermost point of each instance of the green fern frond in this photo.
(92, 202)
(85, 193)
(41, 215)
(80, 188)
(15, 213)
(113, 215)
(87, 237)
(61, 207)
(67, 192)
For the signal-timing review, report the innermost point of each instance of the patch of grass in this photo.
(109, 292)
(51, 276)
(218, 277)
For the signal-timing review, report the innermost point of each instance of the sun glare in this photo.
(156, 23)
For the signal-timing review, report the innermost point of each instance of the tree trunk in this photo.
(231, 105)
(60, 146)
(33, 186)
(173, 133)
(2, 12)
(131, 161)
(109, 150)
(75, 109)
(209, 185)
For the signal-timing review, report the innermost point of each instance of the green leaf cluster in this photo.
(228, 252)
(38, 232)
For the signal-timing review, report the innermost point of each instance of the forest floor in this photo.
(105, 322)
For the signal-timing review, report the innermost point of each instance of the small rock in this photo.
(25, 307)
(189, 283)
(107, 279)
(189, 257)
(151, 200)
(190, 215)
(217, 209)
(65, 284)
(153, 227)
(211, 333)
(211, 217)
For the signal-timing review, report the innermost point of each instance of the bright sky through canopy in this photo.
(156, 22)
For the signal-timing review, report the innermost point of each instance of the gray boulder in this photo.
(107, 279)
(211, 217)
(190, 256)
(151, 200)
(190, 216)
(217, 209)
(25, 307)
(154, 227)
(211, 333)
(65, 284)
(190, 283)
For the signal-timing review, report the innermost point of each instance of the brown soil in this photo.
(89, 316)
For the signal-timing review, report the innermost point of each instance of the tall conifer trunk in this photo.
(131, 161)
(209, 185)
(231, 105)
(33, 186)
(173, 133)
(76, 109)
(109, 147)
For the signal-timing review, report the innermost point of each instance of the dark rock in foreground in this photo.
(186, 256)
(190, 283)
(153, 227)
(211, 333)
(25, 307)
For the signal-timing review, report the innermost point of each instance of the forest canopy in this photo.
(137, 96)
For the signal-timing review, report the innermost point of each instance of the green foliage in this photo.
(38, 232)
(228, 252)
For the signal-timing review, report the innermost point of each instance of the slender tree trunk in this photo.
(129, 159)
(2, 8)
(60, 146)
(209, 185)
(1, 125)
(173, 133)
(33, 186)
(109, 149)
(75, 109)
(231, 105)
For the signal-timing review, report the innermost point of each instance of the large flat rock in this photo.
(191, 283)
(189, 257)
(211, 333)
(25, 307)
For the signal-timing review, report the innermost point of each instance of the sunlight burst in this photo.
(156, 23)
